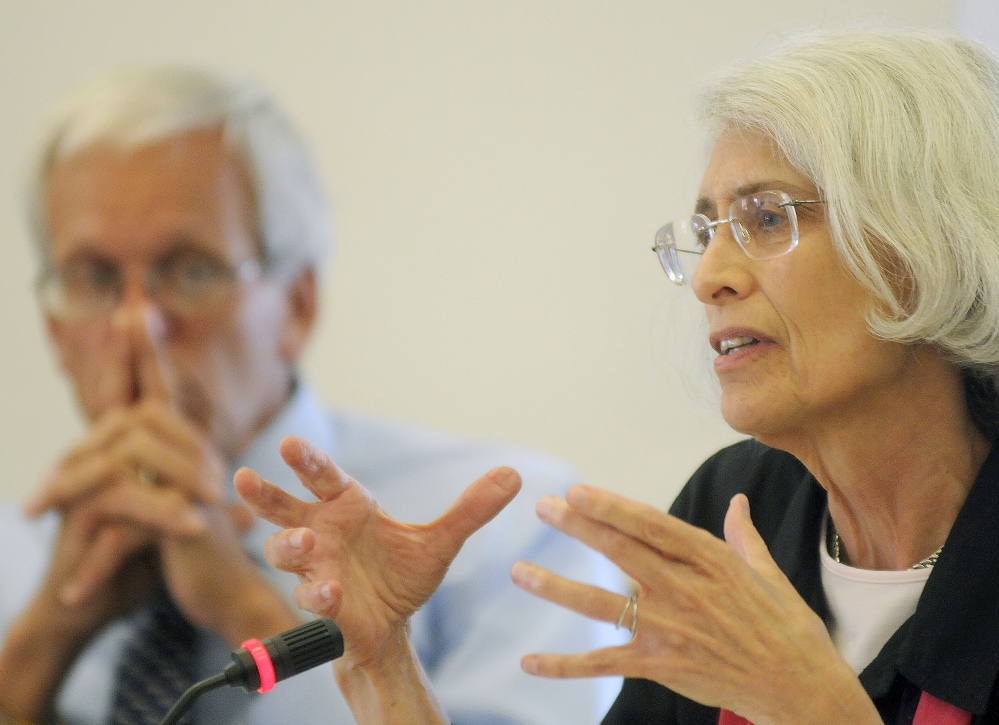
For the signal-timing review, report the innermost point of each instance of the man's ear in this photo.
(302, 296)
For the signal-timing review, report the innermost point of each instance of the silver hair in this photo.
(900, 133)
(134, 107)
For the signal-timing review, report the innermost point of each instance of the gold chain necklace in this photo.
(837, 551)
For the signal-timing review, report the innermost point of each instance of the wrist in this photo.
(834, 696)
(391, 690)
(36, 655)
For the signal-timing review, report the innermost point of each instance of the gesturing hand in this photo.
(718, 621)
(359, 565)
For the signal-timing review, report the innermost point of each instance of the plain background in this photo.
(498, 171)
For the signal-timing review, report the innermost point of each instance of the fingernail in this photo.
(251, 481)
(577, 496)
(742, 502)
(517, 572)
(529, 665)
(544, 506)
(326, 590)
(522, 574)
(296, 538)
(309, 458)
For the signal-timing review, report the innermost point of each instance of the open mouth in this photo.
(734, 344)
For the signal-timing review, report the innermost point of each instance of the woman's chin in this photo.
(752, 413)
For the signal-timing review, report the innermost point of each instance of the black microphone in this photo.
(259, 665)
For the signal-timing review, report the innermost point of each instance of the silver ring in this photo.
(629, 606)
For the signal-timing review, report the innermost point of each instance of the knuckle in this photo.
(654, 531)
(613, 543)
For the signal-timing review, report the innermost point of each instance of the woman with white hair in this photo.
(838, 567)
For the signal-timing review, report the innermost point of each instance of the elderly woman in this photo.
(846, 236)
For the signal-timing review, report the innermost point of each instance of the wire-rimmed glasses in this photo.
(184, 282)
(764, 224)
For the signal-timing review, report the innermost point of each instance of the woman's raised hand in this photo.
(365, 569)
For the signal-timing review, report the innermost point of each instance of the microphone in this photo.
(259, 665)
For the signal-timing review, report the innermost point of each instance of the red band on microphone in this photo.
(265, 667)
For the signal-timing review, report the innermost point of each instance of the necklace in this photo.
(837, 552)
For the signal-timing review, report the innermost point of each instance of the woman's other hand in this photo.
(717, 621)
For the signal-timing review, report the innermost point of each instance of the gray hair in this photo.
(135, 107)
(900, 133)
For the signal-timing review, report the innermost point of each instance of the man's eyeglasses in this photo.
(185, 282)
(764, 224)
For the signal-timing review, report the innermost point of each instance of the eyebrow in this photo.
(705, 205)
(180, 244)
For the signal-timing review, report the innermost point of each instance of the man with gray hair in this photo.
(181, 229)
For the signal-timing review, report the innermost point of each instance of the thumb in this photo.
(742, 536)
(476, 505)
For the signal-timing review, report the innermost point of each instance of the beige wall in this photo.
(499, 169)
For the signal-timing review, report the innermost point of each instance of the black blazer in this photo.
(949, 647)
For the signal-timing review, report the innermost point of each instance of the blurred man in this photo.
(181, 228)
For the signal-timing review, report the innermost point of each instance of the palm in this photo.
(384, 569)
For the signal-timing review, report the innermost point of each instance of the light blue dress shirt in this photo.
(470, 635)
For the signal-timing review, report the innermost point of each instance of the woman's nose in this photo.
(723, 270)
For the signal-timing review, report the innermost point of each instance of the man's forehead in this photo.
(189, 186)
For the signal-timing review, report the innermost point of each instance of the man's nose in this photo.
(138, 309)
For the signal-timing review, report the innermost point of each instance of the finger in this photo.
(66, 485)
(113, 383)
(111, 426)
(637, 559)
(673, 537)
(241, 516)
(595, 663)
(288, 550)
(314, 469)
(162, 510)
(476, 505)
(152, 364)
(590, 601)
(165, 422)
(109, 550)
(323, 598)
(192, 468)
(59, 486)
(268, 501)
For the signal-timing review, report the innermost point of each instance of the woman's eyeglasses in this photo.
(764, 224)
